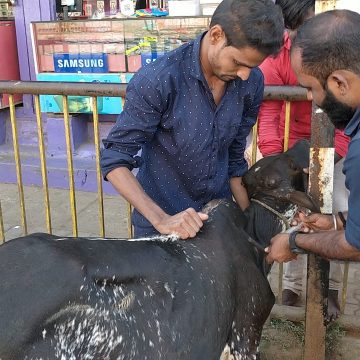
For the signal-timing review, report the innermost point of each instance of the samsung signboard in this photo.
(81, 63)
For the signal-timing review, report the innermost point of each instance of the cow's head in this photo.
(282, 177)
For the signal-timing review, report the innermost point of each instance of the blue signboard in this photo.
(80, 63)
(82, 104)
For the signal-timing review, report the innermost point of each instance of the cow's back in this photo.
(35, 281)
(111, 298)
(67, 298)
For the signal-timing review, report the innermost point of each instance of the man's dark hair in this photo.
(254, 23)
(329, 41)
(295, 11)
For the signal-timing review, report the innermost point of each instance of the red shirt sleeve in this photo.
(341, 143)
(269, 137)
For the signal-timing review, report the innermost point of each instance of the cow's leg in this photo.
(250, 316)
(244, 343)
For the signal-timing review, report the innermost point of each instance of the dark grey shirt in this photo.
(352, 181)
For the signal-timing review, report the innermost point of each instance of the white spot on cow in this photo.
(126, 302)
(168, 289)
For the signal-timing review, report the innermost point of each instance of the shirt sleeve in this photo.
(341, 142)
(237, 162)
(352, 173)
(135, 126)
(269, 137)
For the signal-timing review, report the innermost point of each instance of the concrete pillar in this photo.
(55, 130)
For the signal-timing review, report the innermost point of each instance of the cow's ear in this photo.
(300, 153)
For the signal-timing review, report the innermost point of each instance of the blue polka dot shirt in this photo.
(186, 147)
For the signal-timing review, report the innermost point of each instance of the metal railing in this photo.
(284, 93)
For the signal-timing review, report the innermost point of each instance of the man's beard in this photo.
(339, 113)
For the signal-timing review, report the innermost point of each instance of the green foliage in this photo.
(289, 335)
(334, 333)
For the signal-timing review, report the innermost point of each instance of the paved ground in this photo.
(115, 224)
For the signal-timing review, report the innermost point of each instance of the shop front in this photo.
(105, 41)
(108, 50)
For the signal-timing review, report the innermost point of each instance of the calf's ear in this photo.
(300, 152)
(302, 199)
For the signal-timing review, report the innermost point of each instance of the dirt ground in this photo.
(283, 340)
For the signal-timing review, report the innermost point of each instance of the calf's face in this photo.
(282, 177)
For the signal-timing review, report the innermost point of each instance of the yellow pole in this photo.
(70, 167)
(18, 164)
(98, 168)
(254, 142)
(286, 147)
(43, 163)
(287, 125)
(129, 220)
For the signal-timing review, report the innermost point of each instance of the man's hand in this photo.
(186, 224)
(279, 249)
(316, 222)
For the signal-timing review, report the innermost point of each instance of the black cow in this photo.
(158, 298)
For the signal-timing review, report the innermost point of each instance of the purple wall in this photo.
(26, 11)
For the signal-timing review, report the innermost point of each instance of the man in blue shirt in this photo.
(190, 112)
(325, 57)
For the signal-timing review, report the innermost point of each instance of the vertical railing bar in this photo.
(98, 168)
(254, 143)
(280, 279)
(129, 220)
(70, 166)
(286, 147)
(18, 164)
(345, 286)
(43, 164)
(2, 231)
(287, 125)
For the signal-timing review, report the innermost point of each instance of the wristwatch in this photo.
(293, 247)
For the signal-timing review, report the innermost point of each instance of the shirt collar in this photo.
(195, 69)
(195, 66)
(287, 41)
(353, 125)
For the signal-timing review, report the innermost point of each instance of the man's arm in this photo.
(239, 192)
(237, 162)
(135, 126)
(186, 223)
(329, 244)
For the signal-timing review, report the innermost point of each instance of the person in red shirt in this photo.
(277, 71)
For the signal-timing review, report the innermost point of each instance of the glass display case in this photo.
(107, 46)
(68, 49)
